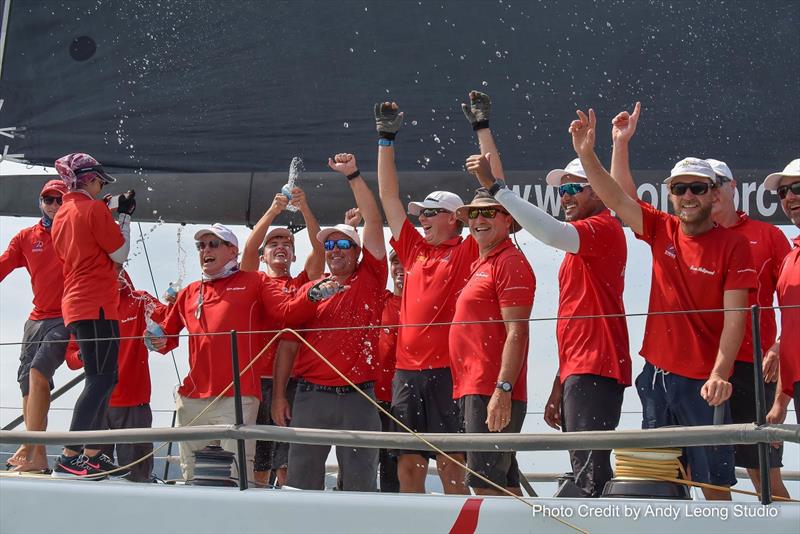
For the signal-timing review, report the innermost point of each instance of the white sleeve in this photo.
(121, 254)
(539, 223)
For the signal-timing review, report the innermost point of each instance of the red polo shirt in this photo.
(387, 346)
(690, 273)
(244, 301)
(32, 248)
(354, 351)
(503, 279)
(290, 287)
(789, 295)
(133, 386)
(434, 277)
(84, 234)
(591, 282)
(769, 247)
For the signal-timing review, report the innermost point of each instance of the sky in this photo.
(163, 243)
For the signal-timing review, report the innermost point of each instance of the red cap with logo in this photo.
(54, 187)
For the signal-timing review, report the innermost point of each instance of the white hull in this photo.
(81, 507)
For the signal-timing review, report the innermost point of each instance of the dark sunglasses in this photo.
(487, 213)
(784, 190)
(697, 188)
(571, 188)
(211, 243)
(431, 212)
(50, 200)
(341, 244)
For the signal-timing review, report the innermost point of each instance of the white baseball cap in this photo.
(692, 167)
(792, 169)
(346, 229)
(721, 169)
(574, 168)
(220, 231)
(438, 199)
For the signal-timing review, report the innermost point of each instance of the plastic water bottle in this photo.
(295, 168)
(154, 330)
(172, 292)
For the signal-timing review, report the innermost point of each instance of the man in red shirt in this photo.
(387, 359)
(32, 248)
(276, 250)
(489, 359)
(697, 265)
(129, 406)
(226, 298)
(323, 398)
(89, 242)
(768, 247)
(594, 360)
(787, 186)
(437, 266)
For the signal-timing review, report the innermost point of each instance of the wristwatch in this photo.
(505, 387)
(497, 186)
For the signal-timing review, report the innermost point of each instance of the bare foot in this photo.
(29, 467)
(20, 457)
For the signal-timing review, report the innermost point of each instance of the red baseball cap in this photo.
(54, 186)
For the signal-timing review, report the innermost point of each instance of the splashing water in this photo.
(295, 169)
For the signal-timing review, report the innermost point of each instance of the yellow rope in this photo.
(634, 463)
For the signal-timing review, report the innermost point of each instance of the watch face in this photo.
(504, 386)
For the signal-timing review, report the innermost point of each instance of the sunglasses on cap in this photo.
(211, 243)
(431, 212)
(697, 188)
(487, 213)
(784, 190)
(341, 244)
(50, 200)
(572, 188)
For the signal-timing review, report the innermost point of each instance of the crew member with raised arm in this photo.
(594, 359)
(437, 266)
(224, 299)
(786, 185)
(32, 248)
(324, 399)
(768, 246)
(387, 360)
(488, 356)
(276, 249)
(697, 265)
(89, 242)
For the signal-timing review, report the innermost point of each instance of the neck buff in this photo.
(47, 222)
(230, 268)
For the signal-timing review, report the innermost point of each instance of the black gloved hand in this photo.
(127, 202)
(388, 120)
(477, 112)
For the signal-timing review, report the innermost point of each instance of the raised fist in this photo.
(477, 112)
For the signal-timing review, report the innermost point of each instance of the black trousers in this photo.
(591, 402)
(100, 365)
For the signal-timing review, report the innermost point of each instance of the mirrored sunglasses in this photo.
(572, 188)
(431, 212)
(341, 244)
(487, 213)
(211, 243)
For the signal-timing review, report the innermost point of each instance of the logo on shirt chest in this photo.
(481, 274)
(670, 251)
(702, 270)
(127, 319)
(38, 246)
(242, 288)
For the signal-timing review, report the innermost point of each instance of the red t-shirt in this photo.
(503, 279)
(768, 246)
(243, 301)
(591, 282)
(434, 276)
(387, 346)
(32, 248)
(133, 385)
(290, 286)
(690, 273)
(354, 351)
(789, 295)
(84, 234)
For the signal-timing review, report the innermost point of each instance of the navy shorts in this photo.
(44, 357)
(669, 399)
